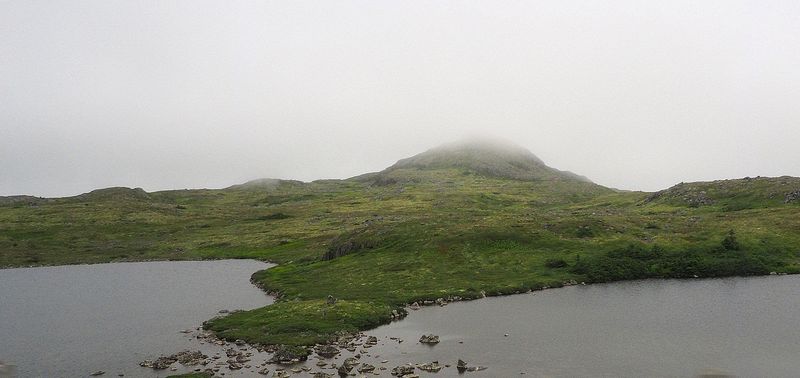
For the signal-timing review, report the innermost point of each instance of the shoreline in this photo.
(353, 345)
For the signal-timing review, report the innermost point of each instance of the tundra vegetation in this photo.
(456, 221)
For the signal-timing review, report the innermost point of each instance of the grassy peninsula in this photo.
(460, 221)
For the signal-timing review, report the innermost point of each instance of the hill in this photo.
(732, 195)
(484, 157)
(458, 222)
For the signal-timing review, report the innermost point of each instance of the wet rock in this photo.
(349, 363)
(189, 358)
(263, 371)
(366, 368)
(320, 374)
(462, 367)
(99, 372)
(327, 351)
(230, 352)
(402, 370)
(432, 367)
(288, 355)
(347, 366)
(160, 363)
(372, 340)
(429, 339)
(241, 359)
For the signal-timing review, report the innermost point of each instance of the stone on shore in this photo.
(327, 351)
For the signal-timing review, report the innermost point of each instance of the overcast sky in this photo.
(187, 94)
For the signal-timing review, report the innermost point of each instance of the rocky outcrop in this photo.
(346, 247)
(686, 193)
(792, 197)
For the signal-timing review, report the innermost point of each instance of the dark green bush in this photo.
(730, 243)
(555, 263)
(274, 216)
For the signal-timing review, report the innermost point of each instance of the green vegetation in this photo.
(301, 322)
(452, 222)
(192, 375)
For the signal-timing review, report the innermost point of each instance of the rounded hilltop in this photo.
(490, 157)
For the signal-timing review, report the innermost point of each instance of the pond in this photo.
(74, 320)
(747, 327)
(70, 321)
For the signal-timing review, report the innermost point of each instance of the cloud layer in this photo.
(634, 95)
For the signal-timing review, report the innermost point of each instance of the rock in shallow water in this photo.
(432, 367)
(327, 351)
(402, 370)
(429, 339)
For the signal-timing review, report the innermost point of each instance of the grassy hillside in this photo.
(415, 232)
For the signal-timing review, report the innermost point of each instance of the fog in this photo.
(190, 94)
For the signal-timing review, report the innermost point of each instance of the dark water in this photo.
(70, 321)
(748, 327)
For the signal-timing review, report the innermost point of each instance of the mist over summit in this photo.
(485, 156)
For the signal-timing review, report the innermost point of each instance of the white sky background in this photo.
(187, 94)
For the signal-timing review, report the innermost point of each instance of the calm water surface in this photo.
(70, 321)
(748, 327)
